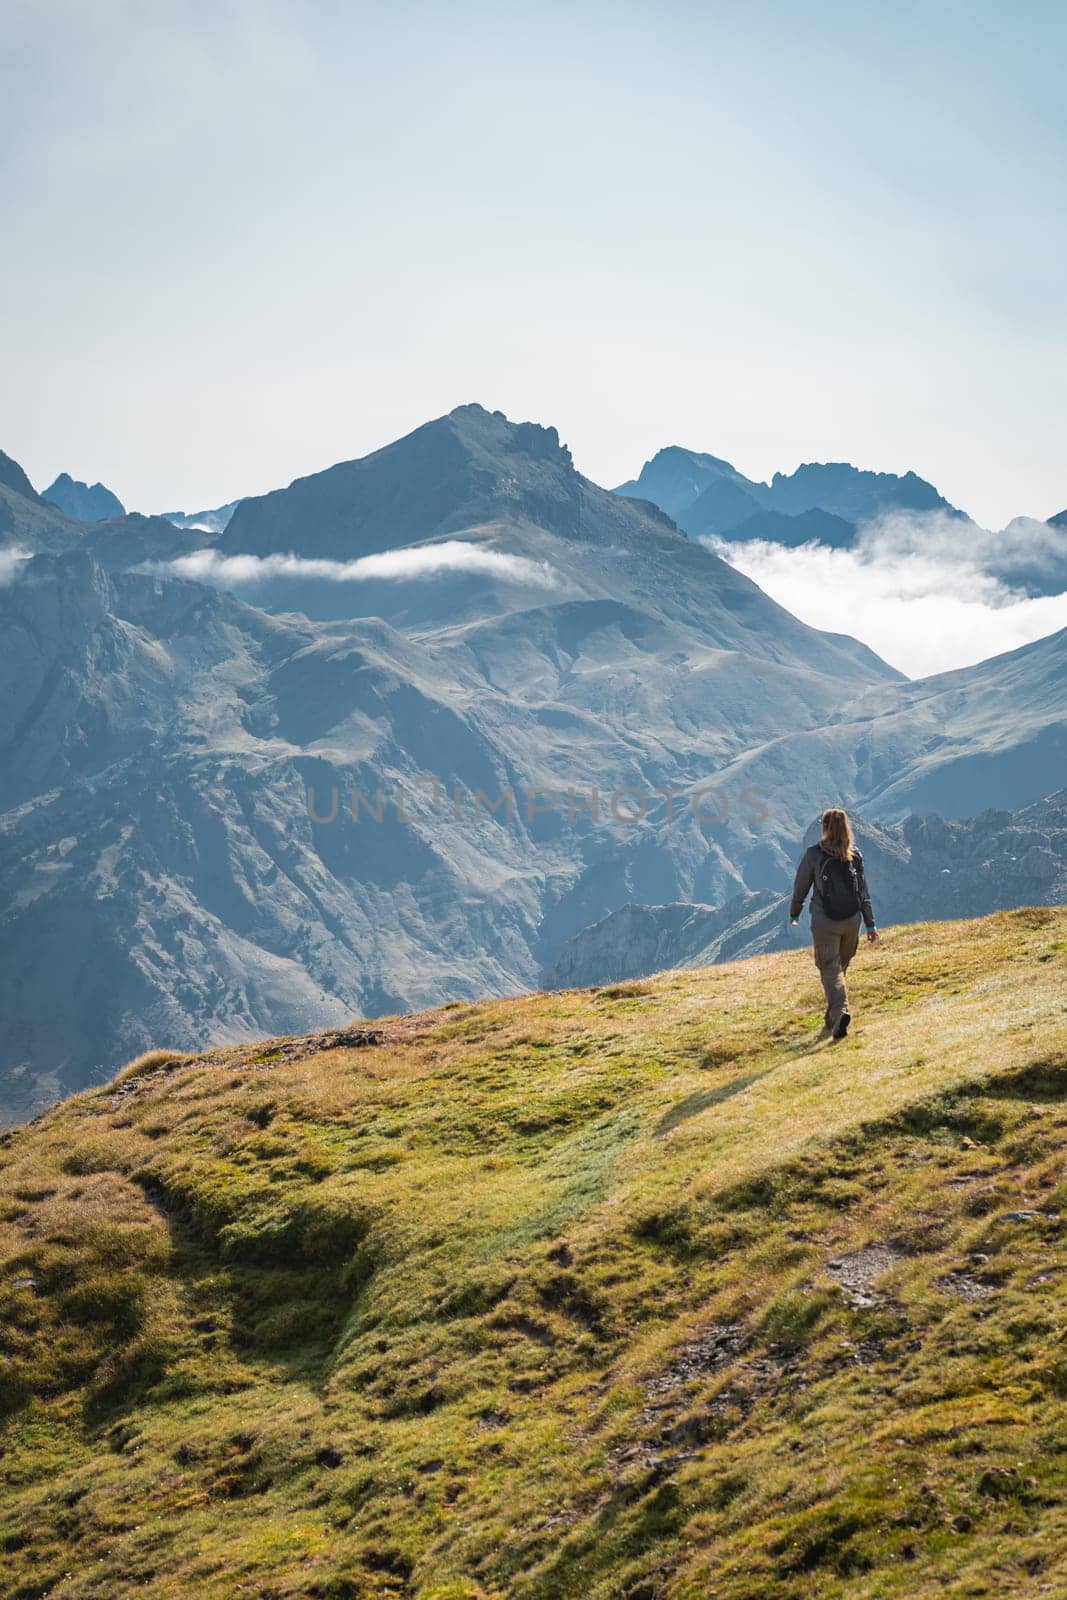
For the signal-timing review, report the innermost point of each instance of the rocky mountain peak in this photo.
(83, 501)
(852, 492)
(468, 467)
(674, 478)
(494, 432)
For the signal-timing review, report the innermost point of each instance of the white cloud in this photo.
(1025, 548)
(421, 561)
(10, 561)
(928, 593)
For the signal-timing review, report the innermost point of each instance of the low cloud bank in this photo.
(424, 561)
(927, 592)
(10, 561)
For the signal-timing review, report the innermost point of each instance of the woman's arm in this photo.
(801, 884)
(865, 898)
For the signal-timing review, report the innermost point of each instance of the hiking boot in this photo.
(842, 1025)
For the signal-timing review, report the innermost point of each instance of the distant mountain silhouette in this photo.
(706, 495)
(675, 479)
(82, 501)
(851, 493)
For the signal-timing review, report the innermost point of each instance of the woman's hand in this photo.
(872, 936)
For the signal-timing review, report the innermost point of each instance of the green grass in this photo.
(538, 1299)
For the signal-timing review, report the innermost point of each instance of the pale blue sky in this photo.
(246, 238)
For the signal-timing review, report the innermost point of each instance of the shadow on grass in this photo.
(282, 1308)
(1041, 1081)
(703, 1099)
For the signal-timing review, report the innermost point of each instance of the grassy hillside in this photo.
(648, 1291)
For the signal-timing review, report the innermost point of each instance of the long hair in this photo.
(836, 833)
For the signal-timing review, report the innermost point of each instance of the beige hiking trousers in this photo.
(835, 944)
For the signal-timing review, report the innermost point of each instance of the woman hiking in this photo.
(833, 871)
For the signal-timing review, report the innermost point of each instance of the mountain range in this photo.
(460, 614)
(837, 505)
(706, 495)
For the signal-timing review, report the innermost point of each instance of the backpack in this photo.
(839, 887)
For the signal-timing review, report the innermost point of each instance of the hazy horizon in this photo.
(256, 239)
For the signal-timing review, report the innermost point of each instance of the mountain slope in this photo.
(989, 736)
(639, 939)
(14, 478)
(645, 1291)
(992, 736)
(82, 501)
(131, 541)
(161, 740)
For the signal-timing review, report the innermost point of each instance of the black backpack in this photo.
(839, 887)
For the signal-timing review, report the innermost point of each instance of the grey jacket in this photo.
(808, 878)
